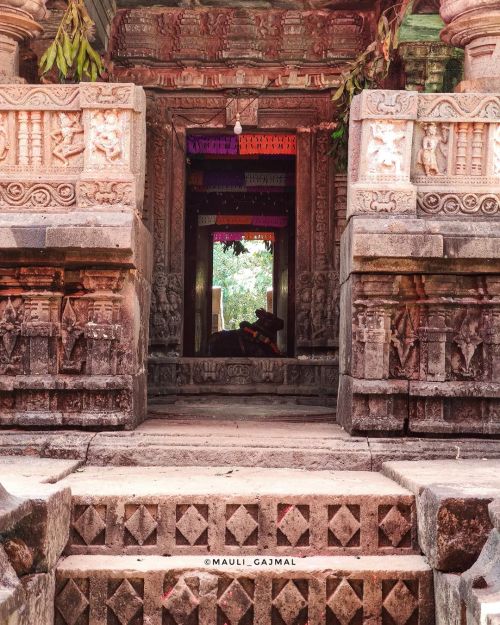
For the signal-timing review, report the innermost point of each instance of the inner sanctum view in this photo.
(249, 312)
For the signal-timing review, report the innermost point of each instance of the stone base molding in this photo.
(75, 272)
(420, 273)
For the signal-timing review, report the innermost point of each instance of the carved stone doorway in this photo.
(227, 195)
(313, 369)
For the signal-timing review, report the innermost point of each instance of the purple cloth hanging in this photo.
(218, 144)
(224, 179)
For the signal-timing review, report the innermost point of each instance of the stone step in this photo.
(241, 409)
(203, 510)
(201, 590)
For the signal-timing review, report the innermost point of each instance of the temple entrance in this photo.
(240, 234)
(196, 194)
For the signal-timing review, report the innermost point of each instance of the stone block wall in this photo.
(420, 295)
(75, 267)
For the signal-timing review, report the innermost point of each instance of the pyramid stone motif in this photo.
(344, 525)
(234, 602)
(125, 602)
(290, 602)
(180, 601)
(293, 524)
(344, 602)
(192, 524)
(241, 524)
(141, 524)
(89, 525)
(395, 526)
(71, 603)
(400, 603)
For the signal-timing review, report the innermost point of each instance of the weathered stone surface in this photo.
(420, 251)
(67, 444)
(39, 591)
(166, 510)
(15, 470)
(314, 590)
(11, 593)
(452, 507)
(19, 554)
(480, 585)
(12, 509)
(73, 342)
(211, 443)
(45, 531)
(447, 599)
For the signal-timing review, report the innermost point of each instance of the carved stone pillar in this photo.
(475, 26)
(426, 62)
(40, 327)
(17, 23)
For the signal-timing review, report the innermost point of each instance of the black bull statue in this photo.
(257, 340)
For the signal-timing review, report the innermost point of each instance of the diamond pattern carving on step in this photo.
(344, 601)
(71, 603)
(90, 524)
(291, 602)
(400, 603)
(344, 526)
(179, 598)
(125, 603)
(235, 599)
(395, 523)
(140, 523)
(192, 524)
(293, 525)
(241, 525)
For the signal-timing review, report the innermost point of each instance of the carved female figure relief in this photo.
(432, 141)
(496, 151)
(65, 137)
(385, 149)
(4, 142)
(107, 134)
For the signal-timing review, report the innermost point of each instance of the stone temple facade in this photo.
(354, 479)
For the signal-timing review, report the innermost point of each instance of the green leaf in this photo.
(50, 57)
(66, 46)
(61, 61)
(93, 72)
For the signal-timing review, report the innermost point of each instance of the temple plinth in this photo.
(475, 26)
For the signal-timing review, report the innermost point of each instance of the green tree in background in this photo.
(244, 279)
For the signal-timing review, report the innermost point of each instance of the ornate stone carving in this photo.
(105, 193)
(44, 97)
(166, 309)
(459, 106)
(449, 204)
(385, 149)
(10, 329)
(36, 195)
(4, 139)
(106, 137)
(433, 140)
(377, 104)
(496, 150)
(68, 142)
(383, 202)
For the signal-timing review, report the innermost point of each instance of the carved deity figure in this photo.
(65, 137)
(385, 150)
(496, 151)
(108, 135)
(4, 142)
(431, 143)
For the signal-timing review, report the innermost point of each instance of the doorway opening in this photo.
(240, 235)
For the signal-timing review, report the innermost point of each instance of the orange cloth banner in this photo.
(233, 220)
(267, 144)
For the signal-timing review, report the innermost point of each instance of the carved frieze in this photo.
(458, 204)
(458, 106)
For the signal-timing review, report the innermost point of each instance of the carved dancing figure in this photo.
(108, 135)
(431, 142)
(385, 150)
(496, 151)
(69, 128)
(4, 143)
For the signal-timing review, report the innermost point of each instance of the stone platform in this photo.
(211, 442)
